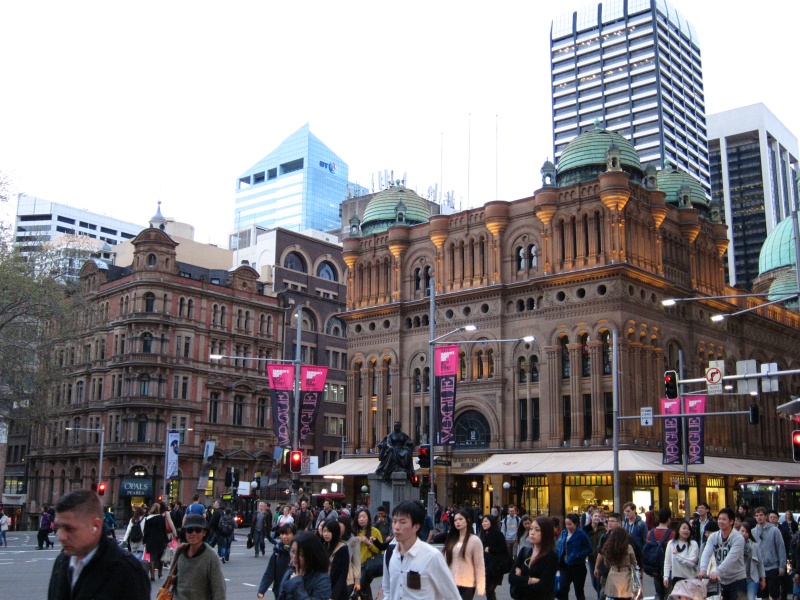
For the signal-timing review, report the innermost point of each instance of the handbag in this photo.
(167, 590)
(250, 541)
(635, 584)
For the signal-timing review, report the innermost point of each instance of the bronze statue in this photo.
(396, 454)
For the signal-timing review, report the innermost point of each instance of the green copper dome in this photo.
(584, 158)
(778, 248)
(394, 206)
(675, 184)
(783, 284)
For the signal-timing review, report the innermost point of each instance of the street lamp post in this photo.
(102, 430)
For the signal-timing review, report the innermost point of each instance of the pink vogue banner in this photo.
(312, 386)
(695, 405)
(446, 373)
(671, 452)
(281, 386)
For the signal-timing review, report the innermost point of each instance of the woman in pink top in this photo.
(463, 552)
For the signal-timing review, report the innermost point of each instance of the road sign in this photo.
(746, 386)
(305, 467)
(769, 384)
(714, 379)
(646, 415)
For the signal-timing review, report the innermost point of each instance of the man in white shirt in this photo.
(416, 570)
(509, 528)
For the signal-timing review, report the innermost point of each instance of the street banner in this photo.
(312, 385)
(281, 385)
(672, 450)
(695, 429)
(173, 444)
(208, 451)
(446, 374)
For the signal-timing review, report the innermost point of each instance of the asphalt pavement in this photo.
(25, 571)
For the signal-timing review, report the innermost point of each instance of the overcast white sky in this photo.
(111, 106)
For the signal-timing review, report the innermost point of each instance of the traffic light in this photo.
(754, 417)
(295, 461)
(236, 479)
(94, 487)
(101, 489)
(415, 479)
(229, 477)
(424, 456)
(796, 445)
(671, 384)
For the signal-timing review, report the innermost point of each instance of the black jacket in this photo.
(277, 566)
(111, 574)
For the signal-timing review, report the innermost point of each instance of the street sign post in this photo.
(714, 380)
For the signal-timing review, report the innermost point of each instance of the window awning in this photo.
(602, 461)
(351, 466)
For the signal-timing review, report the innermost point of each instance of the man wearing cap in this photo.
(198, 566)
(92, 565)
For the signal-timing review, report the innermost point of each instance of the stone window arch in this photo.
(472, 430)
(295, 262)
(326, 270)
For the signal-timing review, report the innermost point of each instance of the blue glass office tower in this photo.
(297, 186)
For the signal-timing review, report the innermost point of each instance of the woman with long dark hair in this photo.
(533, 576)
(572, 548)
(524, 533)
(354, 547)
(495, 554)
(619, 558)
(308, 577)
(463, 552)
(681, 557)
(155, 539)
(339, 557)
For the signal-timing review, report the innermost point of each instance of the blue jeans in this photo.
(734, 591)
(3, 540)
(224, 546)
(258, 541)
(752, 589)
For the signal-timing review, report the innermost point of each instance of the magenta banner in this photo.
(671, 446)
(312, 385)
(446, 373)
(281, 386)
(694, 428)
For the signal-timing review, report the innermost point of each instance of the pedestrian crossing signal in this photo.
(415, 480)
(101, 489)
(796, 445)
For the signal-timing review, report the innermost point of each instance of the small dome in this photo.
(382, 211)
(778, 249)
(584, 158)
(675, 184)
(782, 285)
(157, 220)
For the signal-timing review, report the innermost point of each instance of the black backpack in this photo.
(653, 553)
(226, 526)
(136, 534)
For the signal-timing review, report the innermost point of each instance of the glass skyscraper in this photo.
(635, 66)
(297, 186)
(753, 168)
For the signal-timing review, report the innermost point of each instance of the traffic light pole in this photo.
(296, 408)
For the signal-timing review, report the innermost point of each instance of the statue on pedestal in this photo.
(396, 454)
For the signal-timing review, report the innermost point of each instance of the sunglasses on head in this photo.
(194, 529)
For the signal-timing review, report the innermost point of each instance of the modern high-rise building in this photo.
(634, 65)
(753, 160)
(297, 186)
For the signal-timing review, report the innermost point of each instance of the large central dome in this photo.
(778, 248)
(584, 158)
(394, 206)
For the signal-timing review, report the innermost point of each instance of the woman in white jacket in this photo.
(753, 563)
(681, 557)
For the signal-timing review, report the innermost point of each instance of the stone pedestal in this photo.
(391, 494)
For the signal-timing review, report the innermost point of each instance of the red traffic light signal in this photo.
(796, 445)
(671, 384)
(295, 461)
(415, 480)
(424, 456)
(101, 489)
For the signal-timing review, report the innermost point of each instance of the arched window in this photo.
(181, 306)
(586, 366)
(262, 324)
(335, 327)
(417, 322)
(295, 262)
(520, 258)
(373, 378)
(605, 340)
(533, 260)
(147, 342)
(520, 305)
(417, 279)
(223, 316)
(563, 341)
(215, 315)
(326, 270)
(151, 260)
(490, 363)
(462, 366)
(417, 380)
(309, 321)
(239, 316)
(426, 379)
(428, 274)
(531, 304)
(472, 430)
(190, 308)
(387, 365)
(149, 302)
(144, 385)
(522, 370)
(246, 320)
(409, 323)
(479, 364)
(359, 379)
(238, 409)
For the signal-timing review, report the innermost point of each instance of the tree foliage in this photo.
(38, 315)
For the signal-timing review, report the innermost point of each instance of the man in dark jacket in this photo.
(91, 565)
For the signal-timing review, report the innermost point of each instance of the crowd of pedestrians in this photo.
(336, 553)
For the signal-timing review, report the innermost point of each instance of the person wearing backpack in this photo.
(654, 551)
(225, 529)
(135, 533)
(509, 528)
